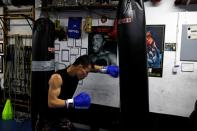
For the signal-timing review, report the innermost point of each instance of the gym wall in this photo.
(103, 93)
(175, 92)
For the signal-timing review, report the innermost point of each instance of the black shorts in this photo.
(62, 124)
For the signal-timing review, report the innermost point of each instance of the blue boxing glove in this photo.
(81, 101)
(112, 70)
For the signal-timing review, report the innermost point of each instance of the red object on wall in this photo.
(114, 33)
(155, 2)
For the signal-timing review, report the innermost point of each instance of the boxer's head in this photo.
(82, 66)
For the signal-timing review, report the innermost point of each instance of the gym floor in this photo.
(157, 122)
(12, 125)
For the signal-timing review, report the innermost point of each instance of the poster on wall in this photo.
(155, 36)
(188, 43)
(192, 32)
(102, 49)
(170, 46)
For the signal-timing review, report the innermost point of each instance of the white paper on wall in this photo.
(65, 55)
(57, 46)
(192, 32)
(83, 51)
(70, 42)
(78, 42)
(74, 51)
(72, 59)
(187, 67)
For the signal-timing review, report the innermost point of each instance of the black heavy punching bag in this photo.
(22, 2)
(133, 65)
(1, 3)
(17, 2)
(42, 66)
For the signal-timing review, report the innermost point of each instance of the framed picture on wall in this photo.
(72, 58)
(56, 57)
(1, 47)
(1, 34)
(65, 55)
(155, 36)
(1, 63)
(170, 46)
(57, 46)
(83, 51)
(102, 49)
(78, 42)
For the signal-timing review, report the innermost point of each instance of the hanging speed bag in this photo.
(133, 64)
(42, 65)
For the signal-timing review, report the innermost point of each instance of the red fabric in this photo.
(114, 33)
(155, 1)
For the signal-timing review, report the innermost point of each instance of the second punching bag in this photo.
(133, 65)
(42, 66)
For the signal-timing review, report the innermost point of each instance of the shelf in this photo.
(78, 7)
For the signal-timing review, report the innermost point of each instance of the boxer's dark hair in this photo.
(84, 60)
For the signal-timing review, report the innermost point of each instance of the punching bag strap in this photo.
(43, 65)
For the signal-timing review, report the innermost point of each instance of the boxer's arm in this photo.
(112, 70)
(81, 101)
(55, 83)
(96, 68)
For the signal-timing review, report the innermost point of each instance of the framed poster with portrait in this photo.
(155, 36)
(101, 49)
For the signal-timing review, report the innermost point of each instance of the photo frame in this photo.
(72, 58)
(78, 42)
(70, 43)
(1, 63)
(1, 34)
(56, 57)
(1, 47)
(57, 46)
(155, 37)
(170, 46)
(74, 51)
(65, 55)
(101, 49)
(84, 51)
